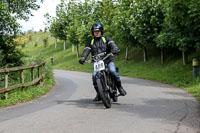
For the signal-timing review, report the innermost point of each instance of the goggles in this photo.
(97, 30)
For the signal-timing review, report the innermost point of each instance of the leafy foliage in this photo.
(10, 11)
(144, 23)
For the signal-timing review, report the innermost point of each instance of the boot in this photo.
(120, 88)
(97, 98)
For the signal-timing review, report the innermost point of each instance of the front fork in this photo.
(101, 75)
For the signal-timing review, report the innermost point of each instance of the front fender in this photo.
(98, 75)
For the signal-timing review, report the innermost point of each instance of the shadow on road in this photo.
(85, 103)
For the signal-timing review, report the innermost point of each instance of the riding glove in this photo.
(82, 60)
(115, 50)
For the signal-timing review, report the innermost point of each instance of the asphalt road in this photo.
(149, 107)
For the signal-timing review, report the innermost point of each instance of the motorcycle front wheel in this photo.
(105, 97)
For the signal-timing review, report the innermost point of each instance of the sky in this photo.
(36, 22)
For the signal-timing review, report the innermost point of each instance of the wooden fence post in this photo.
(32, 74)
(6, 84)
(22, 78)
(39, 75)
(42, 67)
(38, 71)
(5, 73)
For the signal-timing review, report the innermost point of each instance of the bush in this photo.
(36, 44)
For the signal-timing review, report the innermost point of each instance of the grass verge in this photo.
(18, 96)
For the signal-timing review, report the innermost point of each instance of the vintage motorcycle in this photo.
(105, 82)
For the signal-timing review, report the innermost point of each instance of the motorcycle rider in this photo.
(100, 44)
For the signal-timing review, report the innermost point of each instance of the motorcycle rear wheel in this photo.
(105, 97)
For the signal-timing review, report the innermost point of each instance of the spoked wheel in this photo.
(105, 96)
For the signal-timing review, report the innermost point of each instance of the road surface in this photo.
(149, 107)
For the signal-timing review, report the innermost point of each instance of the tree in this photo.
(176, 29)
(122, 25)
(74, 24)
(54, 31)
(86, 15)
(62, 21)
(10, 11)
(194, 22)
(147, 17)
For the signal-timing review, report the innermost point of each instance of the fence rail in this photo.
(22, 84)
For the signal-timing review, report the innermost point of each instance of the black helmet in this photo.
(97, 26)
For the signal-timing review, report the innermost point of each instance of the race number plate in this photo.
(98, 66)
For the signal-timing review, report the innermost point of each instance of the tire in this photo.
(105, 97)
(114, 95)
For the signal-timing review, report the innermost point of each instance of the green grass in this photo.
(172, 72)
(175, 74)
(18, 96)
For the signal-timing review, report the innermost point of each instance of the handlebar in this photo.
(108, 55)
(98, 57)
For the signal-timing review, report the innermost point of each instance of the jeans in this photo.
(112, 71)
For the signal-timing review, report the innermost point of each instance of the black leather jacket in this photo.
(99, 47)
